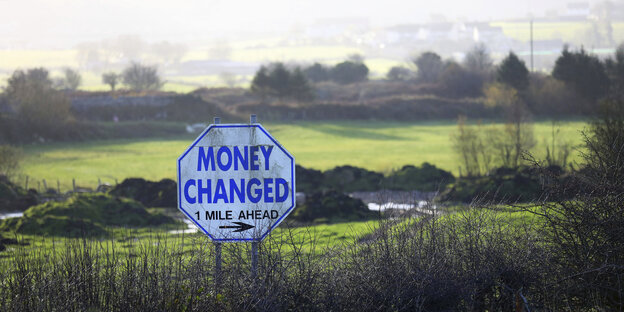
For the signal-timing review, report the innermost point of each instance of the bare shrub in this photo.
(585, 235)
(9, 160)
(140, 77)
(472, 260)
(557, 150)
(470, 145)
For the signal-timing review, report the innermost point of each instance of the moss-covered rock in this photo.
(426, 178)
(6, 192)
(332, 206)
(151, 194)
(308, 180)
(53, 226)
(83, 214)
(502, 185)
(351, 179)
(15, 198)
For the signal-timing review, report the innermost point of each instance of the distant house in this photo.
(330, 28)
(446, 31)
(425, 32)
(404, 33)
(577, 10)
(485, 32)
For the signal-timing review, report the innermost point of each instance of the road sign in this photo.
(236, 182)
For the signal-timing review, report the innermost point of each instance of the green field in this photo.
(566, 31)
(309, 239)
(378, 146)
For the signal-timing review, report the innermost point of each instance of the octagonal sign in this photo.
(236, 182)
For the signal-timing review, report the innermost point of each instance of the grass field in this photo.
(313, 238)
(378, 146)
(574, 32)
(150, 267)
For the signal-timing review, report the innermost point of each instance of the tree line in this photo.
(577, 81)
(278, 81)
(590, 84)
(35, 100)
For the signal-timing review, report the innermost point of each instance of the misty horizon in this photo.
(37, 24)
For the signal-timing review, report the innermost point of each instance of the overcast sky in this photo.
(41, 23)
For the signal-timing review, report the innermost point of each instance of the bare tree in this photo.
(519, 130)
(9, 160)
(72, 79)
(586, 234)
(111, 79)
(429, 66)
(517, 135)
(478, 59)
(35, 101)
(142, 77)
(21, 82)
(557, 150)
(468, 142)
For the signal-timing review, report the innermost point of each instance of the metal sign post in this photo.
(254, 245)
(236, 183)
(217, 247)
(254, 260)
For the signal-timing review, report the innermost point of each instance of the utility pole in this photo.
(531, 44)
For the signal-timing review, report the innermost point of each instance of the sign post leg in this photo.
(254, 260)
(217, 272)
(217, 245)
(254, 245)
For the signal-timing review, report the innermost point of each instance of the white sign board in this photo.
(236, 182)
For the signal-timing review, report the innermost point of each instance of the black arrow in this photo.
(239, 228)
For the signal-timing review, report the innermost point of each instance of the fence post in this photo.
(45, 186)
(26, 186)
(74, 184)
